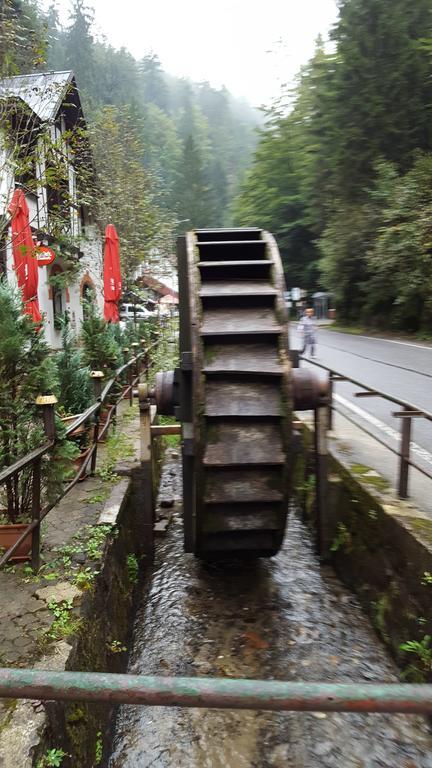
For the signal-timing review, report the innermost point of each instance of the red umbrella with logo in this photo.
(112, 275)
(23, 249)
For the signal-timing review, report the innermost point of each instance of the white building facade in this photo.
(52, 109)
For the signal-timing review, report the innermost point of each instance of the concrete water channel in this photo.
(286, 618)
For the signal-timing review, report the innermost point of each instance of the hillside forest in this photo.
(340, 169)
(169, 153)
(343, 171)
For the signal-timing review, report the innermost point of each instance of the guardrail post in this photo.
(404, 456)
(36, 510)
(146, 473)
(125, 359)
(47, 403)
(97, 377)
(130, 379)
(320, 440)
(330, 400)
(135, 347)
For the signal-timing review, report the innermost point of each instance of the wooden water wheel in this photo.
(235, 392)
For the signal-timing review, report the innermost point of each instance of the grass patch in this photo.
(170, 441)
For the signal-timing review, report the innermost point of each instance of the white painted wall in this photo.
(90, 265)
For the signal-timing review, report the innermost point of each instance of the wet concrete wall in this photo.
(380, 546)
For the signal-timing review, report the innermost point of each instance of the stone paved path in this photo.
(24, 613)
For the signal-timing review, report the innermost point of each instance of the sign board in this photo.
(296, 294)
(44, 255)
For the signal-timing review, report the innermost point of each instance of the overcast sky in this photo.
(251, 46)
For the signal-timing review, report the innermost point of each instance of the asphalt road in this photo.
(400, 368)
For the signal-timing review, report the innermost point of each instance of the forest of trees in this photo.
(343, 171)
(170, 153)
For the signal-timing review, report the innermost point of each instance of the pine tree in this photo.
(27, 369)
(100, 349)
(153, 83)
(382, 97)
(193, 192)
(74, 377)
(22, 37)
(79, 46)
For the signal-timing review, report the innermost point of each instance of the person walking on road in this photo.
(308, 328)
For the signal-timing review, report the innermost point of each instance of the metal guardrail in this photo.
(216, 693)
(132, 366)
(406, 415)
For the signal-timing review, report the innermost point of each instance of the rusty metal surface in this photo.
(164, 392)
(308, 389)
(214, 693)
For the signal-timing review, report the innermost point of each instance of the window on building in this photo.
(3, 256)
(58, 296)
(87, 296)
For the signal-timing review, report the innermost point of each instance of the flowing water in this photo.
(286, 618)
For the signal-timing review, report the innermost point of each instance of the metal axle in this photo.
(214, 693)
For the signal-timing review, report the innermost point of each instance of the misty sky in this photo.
(251, 46)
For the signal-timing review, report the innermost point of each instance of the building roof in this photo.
(43, 92)
(157, 286)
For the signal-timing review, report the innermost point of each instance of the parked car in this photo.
(134, 312)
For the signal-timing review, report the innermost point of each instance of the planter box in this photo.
(8, 536)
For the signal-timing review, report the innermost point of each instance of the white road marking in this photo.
(422, 453)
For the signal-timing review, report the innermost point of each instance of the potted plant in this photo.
(27, 369)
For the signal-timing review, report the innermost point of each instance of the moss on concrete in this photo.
(369, 476)
(106, 614)
(380, 546)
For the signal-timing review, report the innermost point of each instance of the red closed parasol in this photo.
(112, 275)
(23, 249)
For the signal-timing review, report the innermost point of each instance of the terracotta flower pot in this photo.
(104, 422)
(8, 536)
(81, 430)
(79, 461)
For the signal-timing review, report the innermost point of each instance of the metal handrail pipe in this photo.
(407, 406)
(35, 523)
(83, 417)
(215, 693)
(8, 472)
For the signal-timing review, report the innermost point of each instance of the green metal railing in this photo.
(215, 693)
